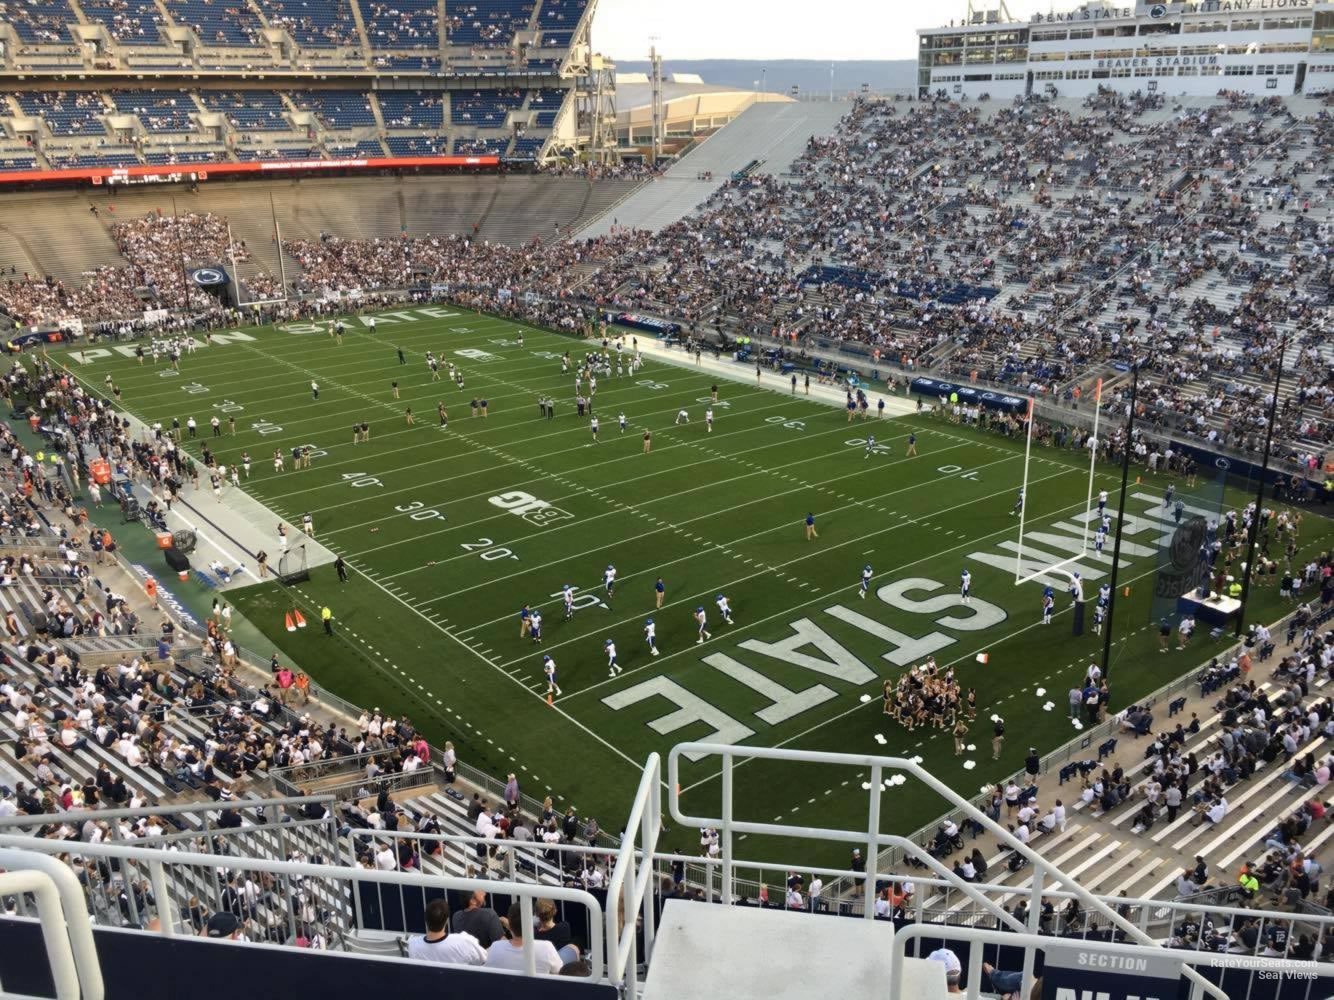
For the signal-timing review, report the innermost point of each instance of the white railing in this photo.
(873, 839)
(66, 929)
(20, 853)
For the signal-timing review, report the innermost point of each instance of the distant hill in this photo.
(810, 75)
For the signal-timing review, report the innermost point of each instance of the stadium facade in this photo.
(1191, 48)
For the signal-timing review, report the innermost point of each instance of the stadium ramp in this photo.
(773, 134)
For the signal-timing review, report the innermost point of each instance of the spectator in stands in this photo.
(479, 920)
(439, 945)
(953, 968)
(507, 952)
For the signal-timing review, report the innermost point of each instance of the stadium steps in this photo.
(66, 239)
(15, 259)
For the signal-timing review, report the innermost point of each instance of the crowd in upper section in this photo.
(488, 36)
(93, 128)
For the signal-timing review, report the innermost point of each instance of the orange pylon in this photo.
(300, 619)
(291, 627)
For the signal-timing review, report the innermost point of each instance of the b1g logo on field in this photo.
(531, 509)
(474, 354)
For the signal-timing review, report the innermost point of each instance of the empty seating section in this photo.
(526, 147)
(118, 156)
(487, 23)
(485, 109)
(482, 145)
(411, 109)
(13, 160)
(278, 153)
(410, 64)
(364, 148)
(160, 111)
(401, 24)
(543, 65)
(417, 145)
(42, 21)
(130, 22)
(171, 157)
(547, 105)
(248, 110)
(336, 108)
(314, 23)
(558, 20)
(65, 113)
(220, 23)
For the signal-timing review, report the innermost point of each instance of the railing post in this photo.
(1034, 915)
(727, 830)
(652, 823)
(166, 913)
(872, 843)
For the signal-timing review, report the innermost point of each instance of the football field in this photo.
(450, 531)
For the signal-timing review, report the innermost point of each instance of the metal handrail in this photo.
(66, 927)
(1032, 942)
(25, 849)
(1042, 867)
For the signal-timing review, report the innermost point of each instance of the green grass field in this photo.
(448, 536)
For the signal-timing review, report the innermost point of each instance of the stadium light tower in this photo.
(1120, 514)
(1247, 568)
(655, 77)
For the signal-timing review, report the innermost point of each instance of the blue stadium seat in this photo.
(223, 23)
(558, 20)
(417, 145)
(482, 145)
(526, 147)
(185, 156)
(314, 24)
(402, 24)
(13, 162)
(410, 109)
(40, 20)
(484, 108)
(364, 148)
(547, 104)
(488, 23)
(249, 110)
(130, 22)
(336, 108)
(159, 110)
(66, 113)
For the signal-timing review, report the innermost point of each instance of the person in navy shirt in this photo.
(659, 592)
(810, 527)
(525, 622)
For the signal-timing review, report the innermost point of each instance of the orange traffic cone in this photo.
(300, 619)
(550, 700)
(1126, 592)
(291, 627)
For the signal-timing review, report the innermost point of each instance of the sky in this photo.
(774, 29)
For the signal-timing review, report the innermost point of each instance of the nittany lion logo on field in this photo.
(1158, 10)
(208, 276)
(1187, 540)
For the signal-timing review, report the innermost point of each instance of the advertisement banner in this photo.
(969, 395)
(147, 173)
(658, 326)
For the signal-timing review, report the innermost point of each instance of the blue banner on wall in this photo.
(659, 326)
(969, 395)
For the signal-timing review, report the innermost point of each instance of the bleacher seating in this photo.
(417, 145)
(248, 110)
(218, 24)
(39, 21)
(159, 111)
(401, 24)
(547, 105)
(558, 20)
(129, 22)
(322, 24)
(336, 109)
(363, 148)
(485, 109)
(488, 23)
(411, 109)
(66, 113)
(481, 145)
(526, 147)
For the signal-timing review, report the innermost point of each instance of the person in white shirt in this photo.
(438, 945)
(385, 859)
(816, 893)
(507, 953)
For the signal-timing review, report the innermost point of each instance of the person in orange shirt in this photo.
(150, 588)
(302, 684)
